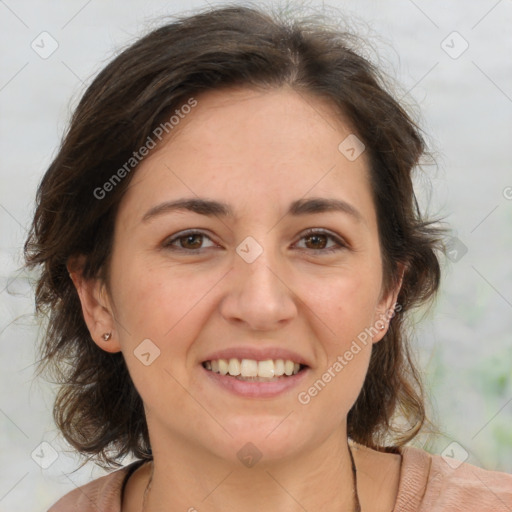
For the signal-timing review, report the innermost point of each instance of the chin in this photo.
(267, 438)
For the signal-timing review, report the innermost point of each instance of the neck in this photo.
(317, 479)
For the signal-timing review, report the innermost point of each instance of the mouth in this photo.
(264, 372)
(252, 370)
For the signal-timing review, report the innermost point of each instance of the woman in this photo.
(230, 246)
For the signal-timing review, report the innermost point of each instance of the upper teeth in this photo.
(253, 368)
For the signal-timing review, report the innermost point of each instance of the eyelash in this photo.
(340, 244)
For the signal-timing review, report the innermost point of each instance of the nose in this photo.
(258, 296)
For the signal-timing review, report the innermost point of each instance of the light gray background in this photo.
(466, 108)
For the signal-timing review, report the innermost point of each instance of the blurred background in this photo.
(452, 61)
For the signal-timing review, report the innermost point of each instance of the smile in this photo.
(252, 378)
(253, 370)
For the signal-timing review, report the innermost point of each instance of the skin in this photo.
(257, 151)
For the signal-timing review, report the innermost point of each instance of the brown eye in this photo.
(318, 241)
(192, 241)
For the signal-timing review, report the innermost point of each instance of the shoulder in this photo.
(436, 483)
(103, 494)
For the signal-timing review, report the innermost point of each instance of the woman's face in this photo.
(262, 271)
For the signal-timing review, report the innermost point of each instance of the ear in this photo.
(96, 309)
(387, 309)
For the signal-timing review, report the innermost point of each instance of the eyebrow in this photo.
(215, 208)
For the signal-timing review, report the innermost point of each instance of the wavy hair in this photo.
(97, 408)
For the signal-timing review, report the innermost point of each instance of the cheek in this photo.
(161, 318)
(346, 342)
(165, 303)
(345, 303)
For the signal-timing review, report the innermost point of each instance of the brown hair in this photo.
(97, 408)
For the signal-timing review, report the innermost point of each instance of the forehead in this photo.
(253, 147)
(277, 119)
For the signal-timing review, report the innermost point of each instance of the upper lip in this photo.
(258, 354)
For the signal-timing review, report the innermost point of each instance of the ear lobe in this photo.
(96, 310)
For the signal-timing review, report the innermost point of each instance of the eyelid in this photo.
(167, 243)
(341, 243)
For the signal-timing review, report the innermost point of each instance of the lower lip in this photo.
(256, 389)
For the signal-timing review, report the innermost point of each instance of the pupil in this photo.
(188, 238)
(316, 238)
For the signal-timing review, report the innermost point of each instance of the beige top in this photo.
(427, 484)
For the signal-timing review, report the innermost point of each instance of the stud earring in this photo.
(107, 336)
(382, 327)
